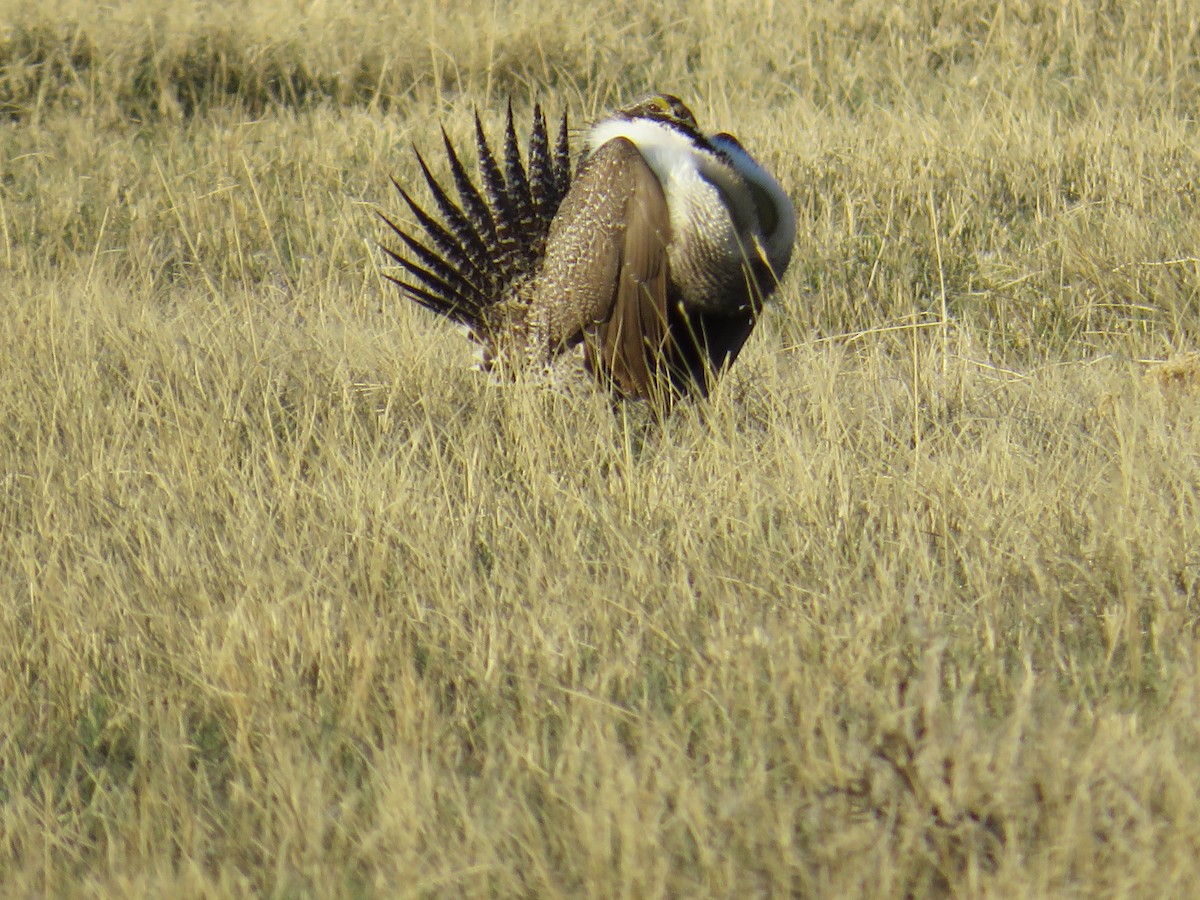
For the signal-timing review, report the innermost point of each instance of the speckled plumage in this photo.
(657, 255)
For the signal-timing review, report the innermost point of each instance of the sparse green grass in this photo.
(295, 604)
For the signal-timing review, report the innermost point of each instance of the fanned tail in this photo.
(468, 259)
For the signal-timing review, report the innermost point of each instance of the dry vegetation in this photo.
(296, 604)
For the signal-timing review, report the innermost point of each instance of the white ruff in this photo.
(722, 205)
(694, 204)
(779, 242)
(669, 152)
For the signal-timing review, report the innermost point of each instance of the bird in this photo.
(656, 254)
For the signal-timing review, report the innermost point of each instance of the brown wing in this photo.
(605, 275)
(629, 346)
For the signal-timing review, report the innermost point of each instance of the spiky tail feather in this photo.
(465, 262)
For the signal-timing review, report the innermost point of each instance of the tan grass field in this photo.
(295, 604)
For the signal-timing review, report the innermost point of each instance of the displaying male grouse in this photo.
(657, 254)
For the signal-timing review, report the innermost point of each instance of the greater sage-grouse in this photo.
(657, 255)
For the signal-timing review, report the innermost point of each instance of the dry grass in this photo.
(296, 604)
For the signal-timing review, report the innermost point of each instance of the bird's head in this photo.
(665, 108)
